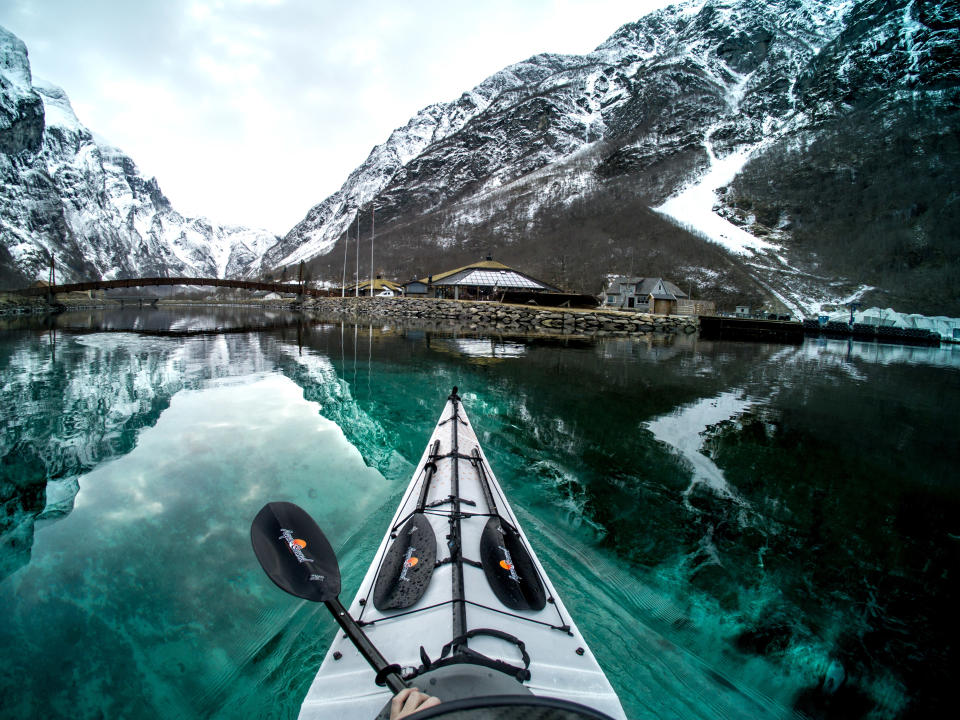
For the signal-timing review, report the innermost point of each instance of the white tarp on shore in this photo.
(947, 328)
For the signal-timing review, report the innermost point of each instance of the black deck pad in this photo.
(408, 566)
(509, 567)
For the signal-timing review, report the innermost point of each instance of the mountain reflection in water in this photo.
(740, 530)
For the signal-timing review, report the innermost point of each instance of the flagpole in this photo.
(356, 278)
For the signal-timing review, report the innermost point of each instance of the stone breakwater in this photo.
(521, 319)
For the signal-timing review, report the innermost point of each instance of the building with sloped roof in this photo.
(653, 295)
(381, 288)
(480, 281)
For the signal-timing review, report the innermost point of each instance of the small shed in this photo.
(660, 300)
(415, 288)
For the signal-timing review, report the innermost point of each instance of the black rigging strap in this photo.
(463, 654)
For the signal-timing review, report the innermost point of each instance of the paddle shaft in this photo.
(363, 644)
(484, 483)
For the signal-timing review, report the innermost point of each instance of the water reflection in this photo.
(163, 321)
(684, 428)
(785, 514)
(153, 562)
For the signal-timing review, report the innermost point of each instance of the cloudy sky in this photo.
(251, 111)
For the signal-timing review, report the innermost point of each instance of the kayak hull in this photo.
(561, 664)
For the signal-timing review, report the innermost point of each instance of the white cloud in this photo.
(252, 111)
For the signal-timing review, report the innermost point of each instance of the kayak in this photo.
(514, 625)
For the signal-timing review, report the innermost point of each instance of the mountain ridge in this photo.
(66, 194)
(779, 153)
(645, 117)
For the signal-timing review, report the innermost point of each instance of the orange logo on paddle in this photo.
(408, 562)
(507, 564)
(296, 545)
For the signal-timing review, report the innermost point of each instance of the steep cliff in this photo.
(68, 194)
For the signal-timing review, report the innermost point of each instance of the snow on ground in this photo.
(692, 207)
(798, 308)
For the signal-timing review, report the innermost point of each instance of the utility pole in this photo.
(373, 212)
(346, 244)
(53, 278)
(356, 277)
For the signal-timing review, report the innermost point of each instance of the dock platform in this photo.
(717, 327)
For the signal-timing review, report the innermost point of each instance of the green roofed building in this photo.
(381, 288)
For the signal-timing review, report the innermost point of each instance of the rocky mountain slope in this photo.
(66, 193)
(780, 151)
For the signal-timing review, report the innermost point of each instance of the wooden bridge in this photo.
(252, 285)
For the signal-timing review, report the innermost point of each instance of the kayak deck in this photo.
(560, 662)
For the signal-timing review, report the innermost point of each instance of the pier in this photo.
(872, 333)
(718, 327)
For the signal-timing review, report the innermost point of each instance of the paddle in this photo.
(506, 561)
(296, 555)
(408, 566)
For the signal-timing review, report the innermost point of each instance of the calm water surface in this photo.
(740, 530)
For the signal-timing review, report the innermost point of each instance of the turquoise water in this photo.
(740, 530)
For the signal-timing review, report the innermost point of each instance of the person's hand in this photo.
(410, 700)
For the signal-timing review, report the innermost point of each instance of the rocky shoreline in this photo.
(521, 319)
(463, 315)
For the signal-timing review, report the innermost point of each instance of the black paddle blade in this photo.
(509, 567)
(408, 566)
(294, 552)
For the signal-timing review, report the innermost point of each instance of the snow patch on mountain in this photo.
(693, 206)
(684, 98)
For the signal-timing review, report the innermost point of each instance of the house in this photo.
(483, 280)
(652, 295)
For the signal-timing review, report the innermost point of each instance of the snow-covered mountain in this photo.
(758, 149)
(65, 192)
